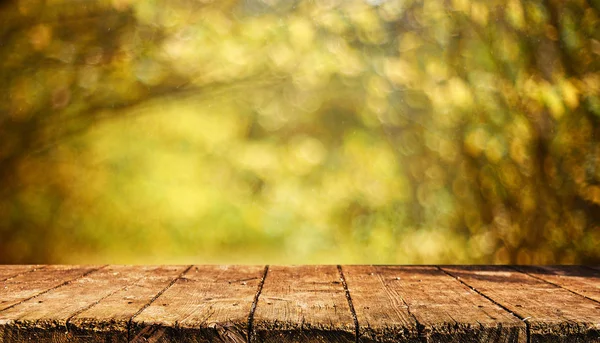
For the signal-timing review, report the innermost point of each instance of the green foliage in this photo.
(390, 131)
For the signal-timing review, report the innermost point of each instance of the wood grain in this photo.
(581, 280)
(206, 304)
(382, 314)
(553, 314)
(27, 285)
(11, 271)
(392, 302)
(108, 320)
(117, 304)
(303, 304)
(46, 318)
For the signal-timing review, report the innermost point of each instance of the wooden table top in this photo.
(325, 303)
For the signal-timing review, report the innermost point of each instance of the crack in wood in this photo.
(350, 304)
(254, 303)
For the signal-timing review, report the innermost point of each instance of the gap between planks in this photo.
(254, 303)
(261, 284)
(23, 272)
(154, 298)
(350, 304)
(524, 320)
(553, 283)
(129, 322)
(51, 288)
(181, 275)
(253, 306)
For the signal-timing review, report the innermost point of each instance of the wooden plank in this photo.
(299, 304)
(391, 300)
(108, 321)
(303, 304)
(46, 317)
(10, 271)
(581, 280)
(382, 314)
(27, 285)
(553, 314)
(206, 304)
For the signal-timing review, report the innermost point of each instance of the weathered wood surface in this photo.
(9, 272)
(381, 311)
(29, 285)
(303, 304)
(580, 280)
(58, 315)
(403, 303)
(108, 320)
(552, 313)
(206, 304)
(299, 304)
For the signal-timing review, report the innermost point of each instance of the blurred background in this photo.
(314, 131)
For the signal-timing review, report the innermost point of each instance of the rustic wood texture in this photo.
(28, 285)
(11, 271)
(109, 319)
(303, 304)
(552, 313)
(581, 280)
(402, 303)
(48, 317)
(206, 304)
(240, 304)
(381, 310)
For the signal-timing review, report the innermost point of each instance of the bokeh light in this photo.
(326, 131)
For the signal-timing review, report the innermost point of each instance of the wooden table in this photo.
(299, 304)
